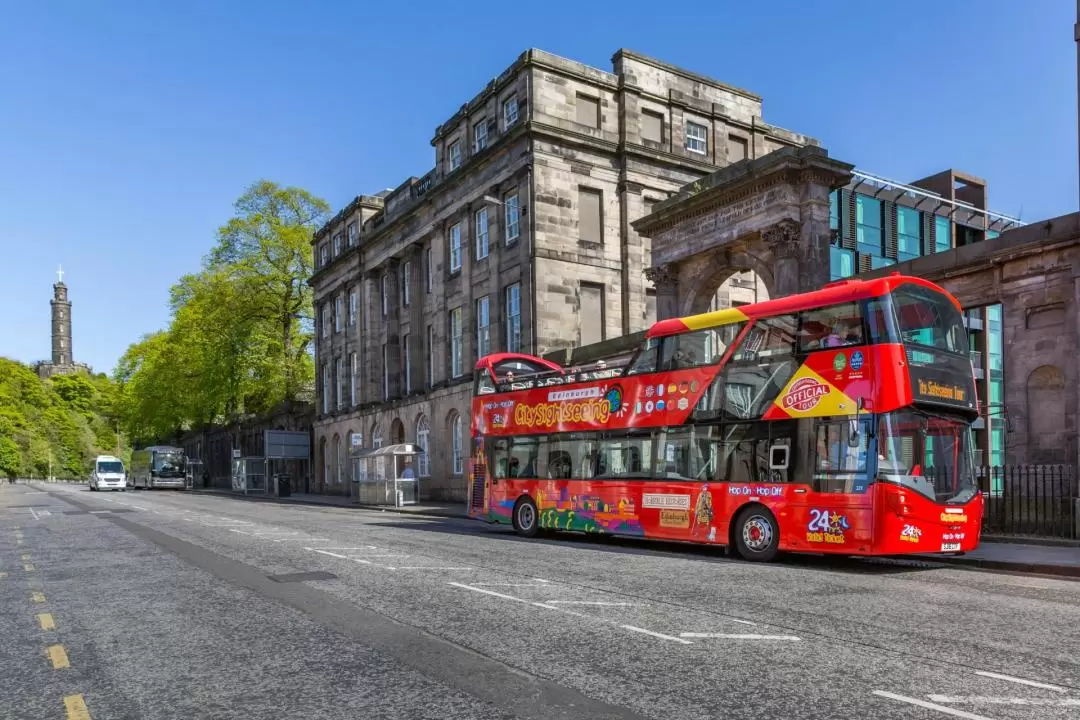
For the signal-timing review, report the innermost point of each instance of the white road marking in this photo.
(1020, 681)
(979, 700)
(98, 512)
(930, 706)
(604, 603)
(656, 634)
(742, 622)
(490, 592)
(541, 580)
(737, 636)
(362, 547)
(428, 567)
(34, 514)
(287, 539)
(509, 584)
(324, 552)
(238, 532)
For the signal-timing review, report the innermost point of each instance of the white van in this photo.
(108, 474)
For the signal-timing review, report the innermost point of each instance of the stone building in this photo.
(63, 359)
(519, 238)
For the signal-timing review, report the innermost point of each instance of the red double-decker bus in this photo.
(835, 421)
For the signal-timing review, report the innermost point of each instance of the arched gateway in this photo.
(769, 215)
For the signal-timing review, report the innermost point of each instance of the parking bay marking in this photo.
(1019, 681)
(930, 706)
(979, 700)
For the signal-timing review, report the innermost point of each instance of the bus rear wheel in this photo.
(526, 518)
(757, 537)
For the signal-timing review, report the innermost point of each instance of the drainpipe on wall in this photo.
(532, 214)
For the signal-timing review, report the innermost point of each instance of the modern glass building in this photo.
(877, 222)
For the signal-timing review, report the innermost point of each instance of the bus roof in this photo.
(832, 294)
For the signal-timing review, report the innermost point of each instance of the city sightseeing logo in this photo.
(594, 406)
(805, 394)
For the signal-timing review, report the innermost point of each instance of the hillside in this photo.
(65, 420)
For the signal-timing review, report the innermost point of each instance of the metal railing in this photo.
(1031, 500)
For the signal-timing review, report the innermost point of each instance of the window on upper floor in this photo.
(457, 342)
(591, 313)
(868, 225)
(738, 149)
(510, 111)
(942, 234)
(513, 317)
(697, 138)
(324, 254)
(588, 110)
(652, 126)
(429, 270)
(406, 282)
(353, 233)
(384, 292)
(513, 217)
(454, 241)
(483, 327)
(339, 312)
(480, 135)
(482, 245)
(455, 155)
(590, 215)
(354, 304)
(337, 244)
(908, 233)
(325, 320)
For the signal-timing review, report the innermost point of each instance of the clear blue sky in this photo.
(127, 131)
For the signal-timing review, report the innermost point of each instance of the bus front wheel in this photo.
(526, 518)
(757, 537)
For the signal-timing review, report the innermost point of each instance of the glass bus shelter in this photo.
(386, 475)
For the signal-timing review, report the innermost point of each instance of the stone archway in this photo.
(769, 215)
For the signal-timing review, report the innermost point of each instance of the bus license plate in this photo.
(949, 547)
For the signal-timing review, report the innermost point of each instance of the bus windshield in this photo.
(169, 463)
(931, 454)
(113, 467)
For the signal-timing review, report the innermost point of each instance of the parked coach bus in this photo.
(159, 466)
(835, 421)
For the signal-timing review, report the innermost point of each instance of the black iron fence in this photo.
(1031, 500)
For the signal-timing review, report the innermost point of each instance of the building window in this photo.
(457, 368)
(352, 378)
(510, 111)
(327, 385)
(942, 234)
(407, 343)
(431, 355)
(590, 217)
(481, 233)
(834, 210)
(697, 138)
(868, 225)
(480, 135)
(423, 436)
(513, 217)
(995, 383)
(352, 233)
(990, 235)
(738, 149)
(326, 320)
(324, 254)
(650, 307)
(483, 327)
(652, 126)
(908, 233)
(339, 312)
(588, 111)
(376, 437)
(406, 281)
(455, 155)
(339, 379)
(429, 280)
(841, 263)
(513, 318)
(456, 443)
(384, 292)
(591, 313)
(337, 244)
(455, 247)
(354, 301)
(385, 372)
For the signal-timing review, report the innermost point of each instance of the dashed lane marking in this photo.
(3, 575)
(661, 636)
(28, 567)
(37, 597)
(427, 567)
(1020, 681)
(58, 656)
(25, 556)
(331, 554)
(738, 636)
(46, 621)
(979, 700)
(76, 707)
(601, 603)
(930, 706)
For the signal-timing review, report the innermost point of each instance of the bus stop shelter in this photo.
(386, 475)
(284, 464)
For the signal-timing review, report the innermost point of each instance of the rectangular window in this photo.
(513, 217)
(510, 111)
(339, 378)
(652, 126)
(942, 234)
(868, 225)
(337, 244)
(908, 233)
(385, 372)
(455, 155)
(406, 281)
(354, 302)
(430, 355)
(483, 327)
(324, 254)
(327, 385)
(429, 261)
(385, 290)
(481, 233)
(590, 217)
(454, 240)
(407, 347)
(841, 263)
(326, 320)
(650, 307)
(352, 378)
(353, 233)
(834, 210)
(588, 111)
(457, 367)
(991, 234)
(591, 313)
(480, 135)
(830, 326)
(697, 138)
(339, 312)
(738, 149)
(513, 318)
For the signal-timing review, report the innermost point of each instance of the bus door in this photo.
(834, 511)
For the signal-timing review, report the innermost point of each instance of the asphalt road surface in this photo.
(167, 604)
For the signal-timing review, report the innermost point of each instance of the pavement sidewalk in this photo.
(1005, 553)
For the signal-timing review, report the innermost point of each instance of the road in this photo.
(177, 605)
